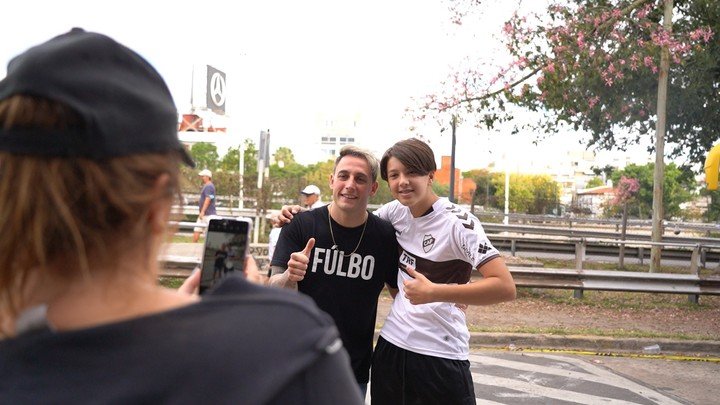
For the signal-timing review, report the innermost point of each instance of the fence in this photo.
(578, 280)
(570, 240)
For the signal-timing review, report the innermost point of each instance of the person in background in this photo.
(422, 353)
(273, 237)
(206, 203)
(220, 257)
(311, 197)
(90, 171)
(342, 256)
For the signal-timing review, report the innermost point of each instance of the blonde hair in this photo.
(62, 215)
(352, 150)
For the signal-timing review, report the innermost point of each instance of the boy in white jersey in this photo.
(422, 353)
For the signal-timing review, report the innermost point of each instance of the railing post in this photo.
(694, 269)
(641, 254)
(579, 258)
(512, 247)
(579, 253)
(694, 261)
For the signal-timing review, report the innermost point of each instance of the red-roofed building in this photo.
(593, 199)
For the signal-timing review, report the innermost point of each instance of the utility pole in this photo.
(452, 160)
(659, 172)
(241, 171)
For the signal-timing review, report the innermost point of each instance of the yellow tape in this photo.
(709, 359)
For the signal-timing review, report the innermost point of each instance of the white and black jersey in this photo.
(445, 245)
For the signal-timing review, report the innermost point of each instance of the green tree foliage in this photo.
(227, 184)
(285, 155)
(712, 214)
(594, 182)
(250, 165)
(546, 194)
(319, 175)
(383, 194)
(205, 155)
(607, 171)
(230, 162)
(529, 194)
(288, 180)
(485, 188)
(679, 186)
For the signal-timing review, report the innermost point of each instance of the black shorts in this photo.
(399, 376)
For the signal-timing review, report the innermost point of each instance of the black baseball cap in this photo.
(123, 103)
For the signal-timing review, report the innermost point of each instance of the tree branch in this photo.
(611, 21)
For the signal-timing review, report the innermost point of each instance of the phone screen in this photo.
(225, 248)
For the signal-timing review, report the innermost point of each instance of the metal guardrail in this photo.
(513, 237)
(610, 280)
(614, 222)
(560, 221)
(571, 240)
(577, 280)
(583, 233)
(697, 250)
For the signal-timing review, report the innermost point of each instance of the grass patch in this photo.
(618, 300)
(643, 268)
(171, 282)
(181, 238)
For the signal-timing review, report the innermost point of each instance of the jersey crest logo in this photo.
(428, 242)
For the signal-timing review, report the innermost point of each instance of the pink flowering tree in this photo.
(625, 191)
(606, 67)
(594, 65)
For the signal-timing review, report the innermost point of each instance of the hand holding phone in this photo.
(226, 246)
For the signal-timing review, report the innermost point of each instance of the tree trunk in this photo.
(659, 173)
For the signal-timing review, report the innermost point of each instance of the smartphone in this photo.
(226, 245)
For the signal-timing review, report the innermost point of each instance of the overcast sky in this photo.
(287, 61)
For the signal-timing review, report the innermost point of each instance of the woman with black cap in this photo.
(89, 163)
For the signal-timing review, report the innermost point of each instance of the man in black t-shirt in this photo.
(342, 256)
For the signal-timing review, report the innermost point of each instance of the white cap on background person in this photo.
(205, 172)
(310, 190)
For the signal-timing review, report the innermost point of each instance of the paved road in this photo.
(503, 377)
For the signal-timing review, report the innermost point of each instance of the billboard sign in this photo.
(216, 90)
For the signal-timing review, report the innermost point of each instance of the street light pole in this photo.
(241, 170)
(452, 161)
(506, 219)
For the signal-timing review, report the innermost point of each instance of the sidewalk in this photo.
(519, 341)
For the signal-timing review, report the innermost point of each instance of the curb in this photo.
(596, 344)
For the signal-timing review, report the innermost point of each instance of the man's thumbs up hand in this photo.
(298, 263)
